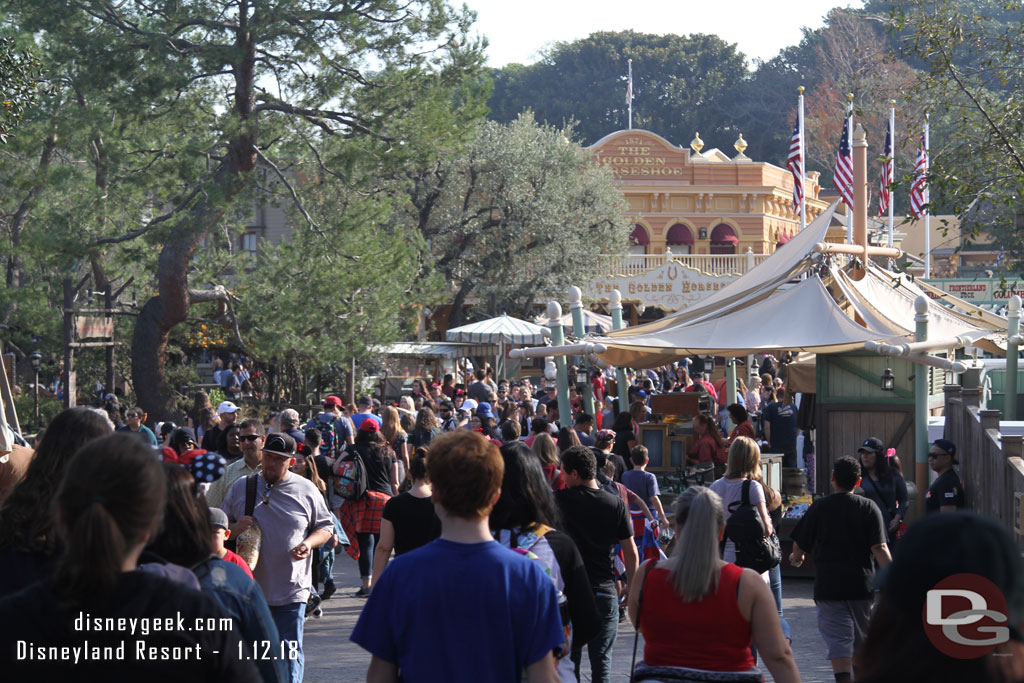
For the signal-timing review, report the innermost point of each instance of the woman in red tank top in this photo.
(697, 612)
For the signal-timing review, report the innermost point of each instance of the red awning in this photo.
(679, 234)
(723, 234)
(640, 236)
(784, 237)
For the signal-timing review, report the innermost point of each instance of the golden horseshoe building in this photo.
(689, 201)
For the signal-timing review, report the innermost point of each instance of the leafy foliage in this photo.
(19, 85)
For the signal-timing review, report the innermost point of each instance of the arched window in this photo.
(723, 240)
(639, 240)
(680, 239)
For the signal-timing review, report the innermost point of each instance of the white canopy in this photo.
(502, 329)
(802, 317)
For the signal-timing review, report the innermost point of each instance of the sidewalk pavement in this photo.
(331, 658)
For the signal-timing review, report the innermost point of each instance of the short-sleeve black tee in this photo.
(945, 490)
(839, 532)
(414, 521)
(595, 520)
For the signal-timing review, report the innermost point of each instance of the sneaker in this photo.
(329, 590)
(317, 613)
(363, 592)
(312, 604)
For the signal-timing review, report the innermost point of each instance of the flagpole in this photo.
(892, 164)
(928, 208)
(849, 133)
(803, 174)
(629, 97)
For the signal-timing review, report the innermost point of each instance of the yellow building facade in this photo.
(692, 201)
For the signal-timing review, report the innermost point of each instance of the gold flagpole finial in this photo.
(800, 89)
(849, 97)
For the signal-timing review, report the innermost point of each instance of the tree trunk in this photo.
(455, 316)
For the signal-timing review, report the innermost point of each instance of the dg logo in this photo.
(965, 616)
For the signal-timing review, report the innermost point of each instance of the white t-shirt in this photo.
(731, 491)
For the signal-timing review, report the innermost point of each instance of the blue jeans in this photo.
(775, 578)
(367, 543)
(599, 650)
(289, 620)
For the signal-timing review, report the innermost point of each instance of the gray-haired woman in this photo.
(700, 613)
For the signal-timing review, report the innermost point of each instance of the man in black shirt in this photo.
(844, 532)
(946, 494)
(596, 520)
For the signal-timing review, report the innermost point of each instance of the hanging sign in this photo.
(670, 287)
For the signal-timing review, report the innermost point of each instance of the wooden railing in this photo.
(991, 464)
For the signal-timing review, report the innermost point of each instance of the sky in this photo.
(518, 29)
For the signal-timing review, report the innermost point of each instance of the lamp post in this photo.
(34, 359)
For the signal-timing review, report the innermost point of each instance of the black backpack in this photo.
(745, 529)
(349, 480)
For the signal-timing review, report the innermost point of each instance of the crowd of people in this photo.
(494, 541)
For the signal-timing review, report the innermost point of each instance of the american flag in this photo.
(884, 191)
(842, 174)
(793, 164)
(919, 190)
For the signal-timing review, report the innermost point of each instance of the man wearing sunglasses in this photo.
(250, 436)
(946, 494)
(134, 418)
(293, 519)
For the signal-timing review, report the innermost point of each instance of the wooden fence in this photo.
(991, 464)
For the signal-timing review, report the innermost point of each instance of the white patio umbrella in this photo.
(501, 331)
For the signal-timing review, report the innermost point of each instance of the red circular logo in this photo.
(965, 616)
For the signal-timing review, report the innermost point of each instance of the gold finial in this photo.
(892, 103)
(696, 144)
(849, 97)
(740, 145)
(800, 90)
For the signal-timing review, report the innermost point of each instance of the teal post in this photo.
(615, 308)
(562, 372)
(1010, 395)
(579, 330)
(921, 373)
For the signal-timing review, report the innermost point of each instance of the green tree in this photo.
(180, 103)
(973, 83)
(19, 85)
(521, 211)
(681, 85)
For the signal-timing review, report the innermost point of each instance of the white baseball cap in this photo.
(468, 404)
(227, 407)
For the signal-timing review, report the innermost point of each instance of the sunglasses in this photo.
(936, 455)
(266, 495)
(249, 437)
(132, 415)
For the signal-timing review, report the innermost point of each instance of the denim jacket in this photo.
(243, 600)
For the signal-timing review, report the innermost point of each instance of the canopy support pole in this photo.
(562, 372)
(921, 405)
(615, 308)
(579, 331)
(1010, 395)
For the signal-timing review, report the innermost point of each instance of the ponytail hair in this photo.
(111, 498)
(693, 566)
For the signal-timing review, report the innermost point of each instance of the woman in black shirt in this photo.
(409, 520)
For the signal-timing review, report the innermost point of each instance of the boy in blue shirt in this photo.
(462, 608)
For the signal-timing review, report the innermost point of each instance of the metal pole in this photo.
(562, 373)
(579, 331)
(730, 381)
(892, 162)
(928, 208)
(921, 405)
(35, 399)
(803, 174)
(108, 300)
(615, 308)
(68, 380)
(629, 96)
(1010, 395)
(849, 137)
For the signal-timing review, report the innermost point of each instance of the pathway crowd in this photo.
(495, 541)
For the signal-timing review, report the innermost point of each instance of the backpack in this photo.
(349, 480)
(328, 437)
(524, 543)
(745, 529)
